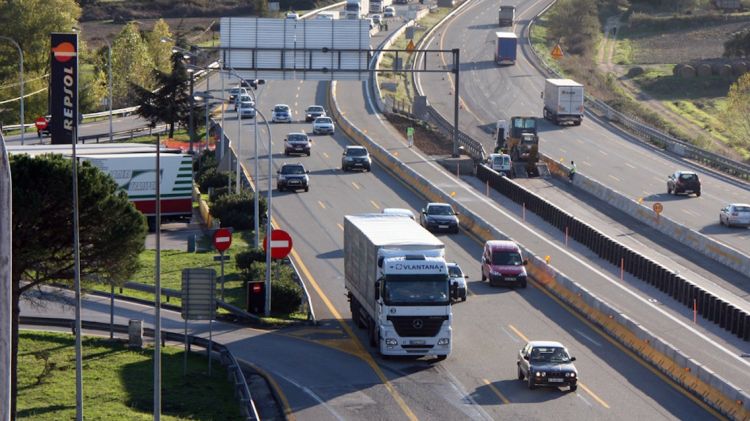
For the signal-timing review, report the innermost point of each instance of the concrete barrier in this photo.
(691, 375)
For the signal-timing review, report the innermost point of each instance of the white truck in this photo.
(356, 9)
(135, 173)
(563, 101)
(328, 15)
(398, 285)
(378, 6)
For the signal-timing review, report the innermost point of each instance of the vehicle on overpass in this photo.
(501, 163)
(356, 9)
(563, 101)
(328, 15)
(547, 363)
(398, 286)
(735, 215)
(684, 182)
(521, 142)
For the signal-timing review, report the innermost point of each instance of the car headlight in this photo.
(538, 374)
(444, 341)
(570, 374)
(495, 273)
(391, 342)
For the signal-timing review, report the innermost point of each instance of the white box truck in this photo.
(356, 9)
(563, 101)
(378, 6)
(398, 285)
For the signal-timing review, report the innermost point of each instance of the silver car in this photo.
(323, 125)
(735, 214)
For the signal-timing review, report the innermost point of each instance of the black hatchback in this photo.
(684, 182)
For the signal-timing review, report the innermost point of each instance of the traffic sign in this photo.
(281, 244)
(410, 47)
(40, 123)
(657, 207)
(557, 52)
(222, 239)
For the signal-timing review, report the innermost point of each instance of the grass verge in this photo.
(117, 382)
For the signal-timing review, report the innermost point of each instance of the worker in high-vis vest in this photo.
(572, 172)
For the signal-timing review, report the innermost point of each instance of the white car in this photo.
(735, 214)
(292, 16)
(458, 282)
(242, 98)
(237, 90)
(246, 109)
(323, 125)
(501, 163)
(281, 113)
(389, 12)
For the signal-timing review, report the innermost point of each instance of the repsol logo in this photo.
(417, 266)
(68, 83)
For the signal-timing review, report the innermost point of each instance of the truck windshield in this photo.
(352, 7)
(416, 290)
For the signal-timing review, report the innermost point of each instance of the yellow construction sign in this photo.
(410, 46)
(557, 52)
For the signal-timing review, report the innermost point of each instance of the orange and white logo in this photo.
(64, 52)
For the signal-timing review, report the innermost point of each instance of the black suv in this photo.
(293, 177)
(297, 143)
(684, 182)
(356, 157)
(314, 111)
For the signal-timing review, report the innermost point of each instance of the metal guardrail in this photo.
(247, 405)
(125, 134)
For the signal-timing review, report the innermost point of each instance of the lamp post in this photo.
(20, 81)
(205, 97)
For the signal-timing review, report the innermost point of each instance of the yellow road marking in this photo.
(341, 227)
(356, 186)
(628, 352)
(614, 178)
(325, 154)
(518, 332)
(496, 391)
(375, 204)
(322, 205)
(363, 354)
(593, 395)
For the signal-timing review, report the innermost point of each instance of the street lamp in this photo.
(20, 77)
(205, 97)
(109, 83)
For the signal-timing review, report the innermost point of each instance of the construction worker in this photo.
(572, 172)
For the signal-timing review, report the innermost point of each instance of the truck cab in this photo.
(506, 15)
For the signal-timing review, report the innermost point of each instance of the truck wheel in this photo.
(371, 332)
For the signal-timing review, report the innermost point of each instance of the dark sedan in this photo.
(439, 217)
(547, 363)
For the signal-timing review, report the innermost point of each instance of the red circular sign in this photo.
(281, 244)
(222, 239)
(40, 123)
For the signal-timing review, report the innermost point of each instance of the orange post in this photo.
(695, 311)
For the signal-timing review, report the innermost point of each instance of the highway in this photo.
(326, 374)
(490, 92)
(478, 379)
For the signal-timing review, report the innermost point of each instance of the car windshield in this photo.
(297, 138)
(323, 120)
(413, 290)
(688, 177)
(356, 152)
(500, 160)
(280, 108)
(549, 354)
(506, 258)
(439, 210)
(455, 272)
(246, 104)
(315, 109)
(292, 169)
(742, 208)
(245, 98)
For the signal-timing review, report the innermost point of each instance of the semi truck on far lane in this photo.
(505, 47)
(398, 285)
(356, 9)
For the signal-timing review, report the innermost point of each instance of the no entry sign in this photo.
(281, 244)
(222, 239)
(40, 123)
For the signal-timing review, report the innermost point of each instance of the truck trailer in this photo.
(398, 285)
(505, 48)
(506, 15)
(378, 6)
(563, 101)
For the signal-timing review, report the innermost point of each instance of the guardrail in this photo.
(247, 405)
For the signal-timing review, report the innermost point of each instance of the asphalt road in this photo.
(490, 92)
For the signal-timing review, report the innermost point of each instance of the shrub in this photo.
(206, 161)
(236, 210)
(244, 259)
(286, 293)
(218, 192)
(212, 178)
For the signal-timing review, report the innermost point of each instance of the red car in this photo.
(502, 263)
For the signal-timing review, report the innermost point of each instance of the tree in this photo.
(576, 24)
(112, 231)
(736, 114)
(131, 65)
(169, 102)
(161, 52)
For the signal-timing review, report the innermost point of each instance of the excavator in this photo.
(520, 141)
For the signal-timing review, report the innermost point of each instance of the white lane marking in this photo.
(580, 396)
(313, 395)
(587, 337)
(630, 165)
(511, 336)
(467, 397)
(601, 151)
(614, 178)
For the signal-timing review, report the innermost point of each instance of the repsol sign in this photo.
(417, 266)
(63, 96)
